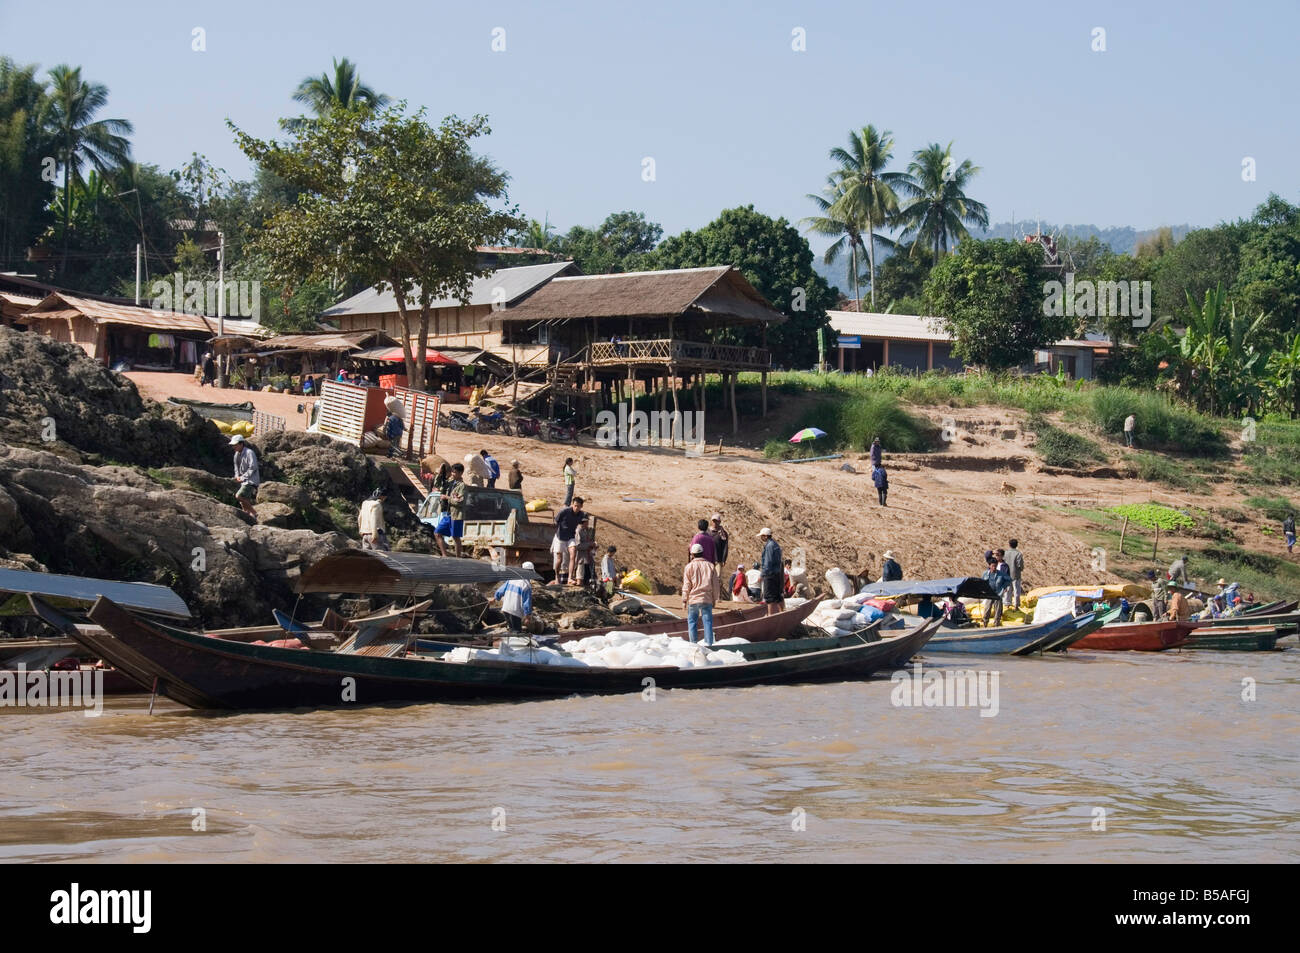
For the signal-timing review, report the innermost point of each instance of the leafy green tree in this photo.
(901, 281)
(1284, 382)
(396, 201)
(991, 298)
(81, 138)
(1203, 260)
(1268, 276)
(619, 244)
(776, 260)
(937, 209)
(25, 193)
(344, 90)
(1085, 257)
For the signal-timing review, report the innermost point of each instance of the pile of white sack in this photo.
(846, 616)
(612, 650)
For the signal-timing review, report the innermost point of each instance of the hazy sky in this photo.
(1151, 131)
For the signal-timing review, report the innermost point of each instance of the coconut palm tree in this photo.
(938, 209)
(867, 190)
(837, 223)
(81, 138)
(344, 90)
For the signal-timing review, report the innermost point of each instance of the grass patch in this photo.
(1272, 465)
(1275, 508)
(1160, 423)
(1060, 448)
(1155, 468)
(1261, 573)
(851, 422)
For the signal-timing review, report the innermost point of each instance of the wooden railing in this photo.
(686, 353)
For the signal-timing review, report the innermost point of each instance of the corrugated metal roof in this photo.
(329, 341)
(143, 596)
(907, 327)
(58, 305)
(400, 574)
(513, 282)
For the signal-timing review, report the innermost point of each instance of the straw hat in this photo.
(888, 554)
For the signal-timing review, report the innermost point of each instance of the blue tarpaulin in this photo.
(965, 587)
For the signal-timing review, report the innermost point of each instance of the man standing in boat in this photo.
(1016, 563)
(772, 569)
(700, 592)
(566, 529)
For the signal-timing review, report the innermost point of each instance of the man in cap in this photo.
(515, 478)
(890, 570)
(516, 597)
(247, 474)
(721, 540)
(700, 592)
(454, 497)
(771, 567)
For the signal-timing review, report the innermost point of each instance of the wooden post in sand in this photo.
(1122, 531)
(735, 418)
(1156, 546)
(677, 413)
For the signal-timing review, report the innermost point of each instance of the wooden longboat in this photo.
(1137, 637)
(1286, 623)
(1053, 635)
(1246, 638)
(753, 624)
(203, 672)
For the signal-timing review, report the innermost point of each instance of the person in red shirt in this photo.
(738, 590)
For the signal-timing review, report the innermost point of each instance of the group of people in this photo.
(573, 548)
(1004, 572)
(702, 579)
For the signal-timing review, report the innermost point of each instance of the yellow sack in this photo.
(536, 506)
(637, 582)
(222, 426)
(244, 426)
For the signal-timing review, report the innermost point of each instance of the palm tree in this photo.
(81, 138)
(939, 209)
(834, 221)
(343, 91)
(867, 190)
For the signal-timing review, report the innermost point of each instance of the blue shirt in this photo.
(516, 597)
(771, 562)
(494, 468)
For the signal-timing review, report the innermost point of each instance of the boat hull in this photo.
(1260, 638)
(1137, 637)
(202, 672)
(1002, 640)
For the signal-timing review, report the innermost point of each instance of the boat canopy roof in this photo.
(400, 574)
(964, 587)
(64, 591)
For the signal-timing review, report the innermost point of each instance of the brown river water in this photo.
(1161, 749)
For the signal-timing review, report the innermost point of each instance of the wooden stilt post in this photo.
(1122, 531)
(677, 414)
(765, 393)
(1156, 546)
(735, 417)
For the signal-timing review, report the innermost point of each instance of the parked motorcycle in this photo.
(560, 430)
(527, 426)
(492, 423)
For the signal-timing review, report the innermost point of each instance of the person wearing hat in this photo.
(738, 587)
(248, 474)
(516, 598)
(890, 570)
(771, 565)
(700, 592)
(721, 540)
(515, 478)
(1159, 593)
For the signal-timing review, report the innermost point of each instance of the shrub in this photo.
(1161, 424)
(1060, 448)
(1275, 508)
(1155, 468)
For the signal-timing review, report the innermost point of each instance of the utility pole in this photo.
(137, 274)
(221, 305)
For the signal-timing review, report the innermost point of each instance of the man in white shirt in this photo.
(1130, 425)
